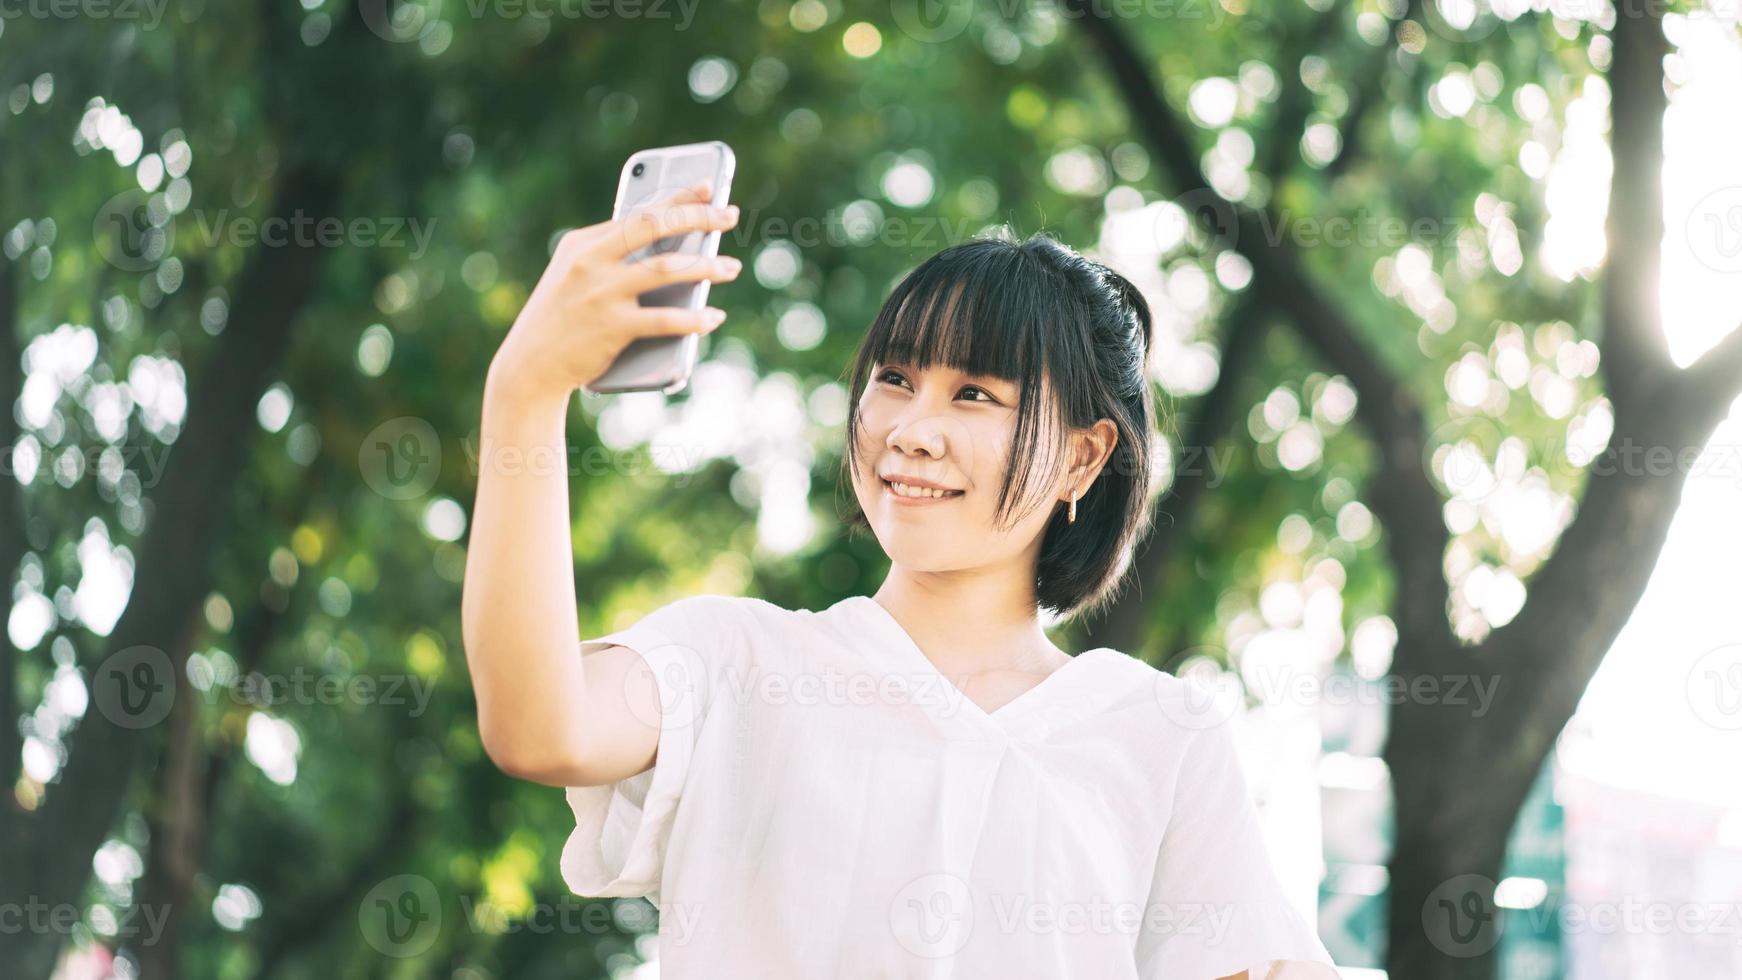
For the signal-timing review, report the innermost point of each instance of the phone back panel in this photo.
(665, 363)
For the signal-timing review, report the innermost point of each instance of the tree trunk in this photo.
(46, 860)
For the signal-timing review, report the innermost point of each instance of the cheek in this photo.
(989, 443)
(870, 435)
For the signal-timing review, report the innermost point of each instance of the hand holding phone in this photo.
(586, 308)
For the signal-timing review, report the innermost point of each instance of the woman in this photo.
(917, 783)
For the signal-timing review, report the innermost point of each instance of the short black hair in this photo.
(1028, 311)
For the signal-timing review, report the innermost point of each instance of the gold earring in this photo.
(1071, 518)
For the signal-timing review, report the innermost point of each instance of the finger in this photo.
(669, 321)
(700, 191)
(640, 230)
(655, 271)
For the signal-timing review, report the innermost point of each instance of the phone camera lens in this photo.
(640, 168)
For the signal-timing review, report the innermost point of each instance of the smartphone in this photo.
(664, 363)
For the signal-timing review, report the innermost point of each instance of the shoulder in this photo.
(1190, 704)
(726, 617)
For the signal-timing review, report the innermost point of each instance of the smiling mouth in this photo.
(918, 495)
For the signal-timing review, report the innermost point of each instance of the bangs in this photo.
(972, 319)
(983, 308)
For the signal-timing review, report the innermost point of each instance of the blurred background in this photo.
(1445, 297)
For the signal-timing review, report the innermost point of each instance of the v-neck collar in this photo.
(1055, 685)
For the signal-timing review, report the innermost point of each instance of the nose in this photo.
(919, 432)
(920, 429)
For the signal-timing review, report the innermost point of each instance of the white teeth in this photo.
(908, 490)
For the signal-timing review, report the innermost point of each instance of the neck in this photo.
(971, 619)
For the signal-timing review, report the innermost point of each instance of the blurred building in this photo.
(1654, 882)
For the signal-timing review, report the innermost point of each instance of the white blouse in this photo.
(826, 803)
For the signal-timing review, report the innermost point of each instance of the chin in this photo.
(918, 552)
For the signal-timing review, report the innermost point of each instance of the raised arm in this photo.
(544, 712)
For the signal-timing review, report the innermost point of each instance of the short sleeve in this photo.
(622, 829)
(1216, 906)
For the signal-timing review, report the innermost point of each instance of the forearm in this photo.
(518, 614)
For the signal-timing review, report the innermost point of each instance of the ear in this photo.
(1090, 450)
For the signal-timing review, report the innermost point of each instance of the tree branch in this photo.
(1635, 354)
(1547, 655)
(1711, 383)
(1403, 496)
(11, 534)
(1295, 103)
(1369, 93)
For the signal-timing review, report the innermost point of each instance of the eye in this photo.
(898, 376)
(888, 373)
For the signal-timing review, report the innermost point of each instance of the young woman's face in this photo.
(952, 430)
